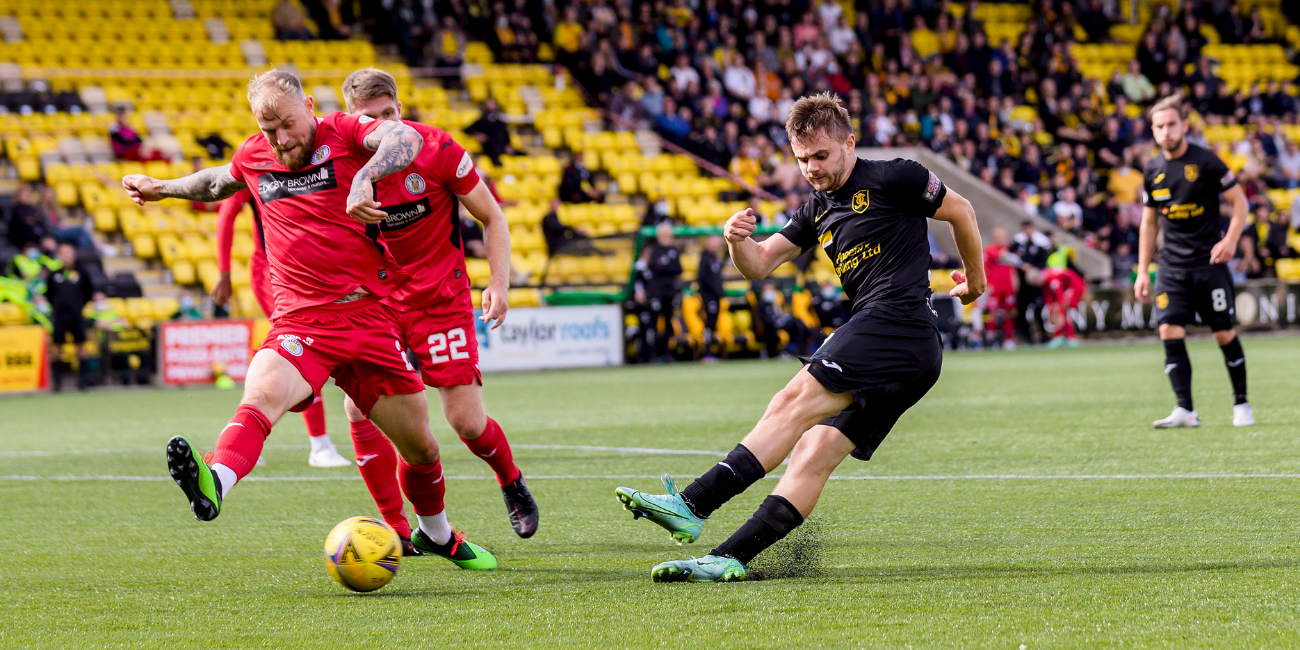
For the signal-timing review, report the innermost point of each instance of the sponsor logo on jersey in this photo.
(832, 365)
(932, 188)
(415, 184)
(1161, 194)
(320, 154)
(1158, 179)
(272, 186)
(1162, 300)
(405, 214)
(466, 164)
(1191, 172)
(364, 119)
(861, 201)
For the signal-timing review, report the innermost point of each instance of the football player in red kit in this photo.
(1000, 298)
(314, 180)
(323, 453)
(436, 313)
(1063, 288)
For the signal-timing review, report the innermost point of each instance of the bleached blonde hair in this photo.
(267, 88)
(366, 84)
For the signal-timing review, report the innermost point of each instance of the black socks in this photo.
(739, 470)
(1235, 358)
(1179, 369)
(773, 520)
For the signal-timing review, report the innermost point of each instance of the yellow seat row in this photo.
(543, 164)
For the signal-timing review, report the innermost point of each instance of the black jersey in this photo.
(874, 230)
(710, 276)
(1185, 194)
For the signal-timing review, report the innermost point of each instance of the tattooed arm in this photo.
(395, 146)
(206, 185)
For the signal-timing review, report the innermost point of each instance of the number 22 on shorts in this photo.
(448, 346)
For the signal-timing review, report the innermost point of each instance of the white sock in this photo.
(320, 443)
(436, 527)
(226, 476)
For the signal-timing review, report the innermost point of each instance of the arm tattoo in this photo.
(206, 185)
(395, 145)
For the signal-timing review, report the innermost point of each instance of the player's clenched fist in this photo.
(141, 188)
(362, 205)
(740, 226)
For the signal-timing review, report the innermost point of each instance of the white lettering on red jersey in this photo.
(423, 225)
(317, 253)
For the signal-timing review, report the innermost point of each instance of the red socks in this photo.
(241, 441)
(423, 485)
(377, 460)
(493, 448)
(314, 417)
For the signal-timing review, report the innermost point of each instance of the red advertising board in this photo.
(187, 349)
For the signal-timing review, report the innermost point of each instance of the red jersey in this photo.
(1063, 286)
(423, 225)
(1001, 277)
(226, 216)
(317, 253)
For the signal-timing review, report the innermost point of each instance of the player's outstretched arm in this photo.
(1146, 250)
(959, 214)
(496, 238)
(1227, 247)
(756, 260)
(212, 184)
(395, 146)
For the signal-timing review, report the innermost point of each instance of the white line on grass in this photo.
(954, 477)
(620, 450)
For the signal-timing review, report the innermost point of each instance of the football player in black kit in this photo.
(709, 277)
(871, 218)
(1182, 186)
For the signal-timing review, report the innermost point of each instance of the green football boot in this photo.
(710, 568)
(466, 555)
(196, 479)
(667, 510)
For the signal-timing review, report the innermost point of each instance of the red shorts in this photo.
(444, 340)
(999, 302)
(356, 343)
(259, 280)
(1059, 292)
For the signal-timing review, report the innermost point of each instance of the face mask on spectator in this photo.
(769, 296)
(829, 293)
(101, 305)
(187, 302)
(33, 253)
(661, 209)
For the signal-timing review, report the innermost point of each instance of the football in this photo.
(363, 553)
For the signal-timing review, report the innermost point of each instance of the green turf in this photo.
(927, 562)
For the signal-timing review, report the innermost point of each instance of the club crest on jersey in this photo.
(292, 344)
(861, 201)
(1190, 172)
(320, 154)
(415, 184)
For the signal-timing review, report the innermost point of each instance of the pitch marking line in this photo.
(954, 477)
(620, 450)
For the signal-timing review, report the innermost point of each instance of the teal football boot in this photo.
(710, 568)
(667, 510)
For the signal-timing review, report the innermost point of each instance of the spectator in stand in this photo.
(1137, 87)
(68, 289)
(576, 182)
(659, 268)
(657, 213)
(126, 142)
(713, 260)
(561, 238)
(491, 131)
(189, 308)
(1288, 166)
(290, 22)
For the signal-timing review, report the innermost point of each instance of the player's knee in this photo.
(1168, 331)
(1225, 337)
(421, 452)
(467, 423)
(350, 408)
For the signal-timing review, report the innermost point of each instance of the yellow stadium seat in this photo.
(183, 272)
(144, 246)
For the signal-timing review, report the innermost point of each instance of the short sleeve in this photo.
(1219, 171)
(238, 161)
(920, 189)
(354, 129)
(453, 167)
(800, 229)
(1146, 190)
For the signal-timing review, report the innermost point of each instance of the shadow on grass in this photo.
(905, 574)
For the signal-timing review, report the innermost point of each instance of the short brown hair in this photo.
(816, 114)
(275, 82)
(366, 84)
(1174, 101)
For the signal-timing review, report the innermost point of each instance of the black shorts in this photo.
(76, 326)
(1184, 294)
(885, 374)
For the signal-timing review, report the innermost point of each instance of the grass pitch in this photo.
(1026, 500)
